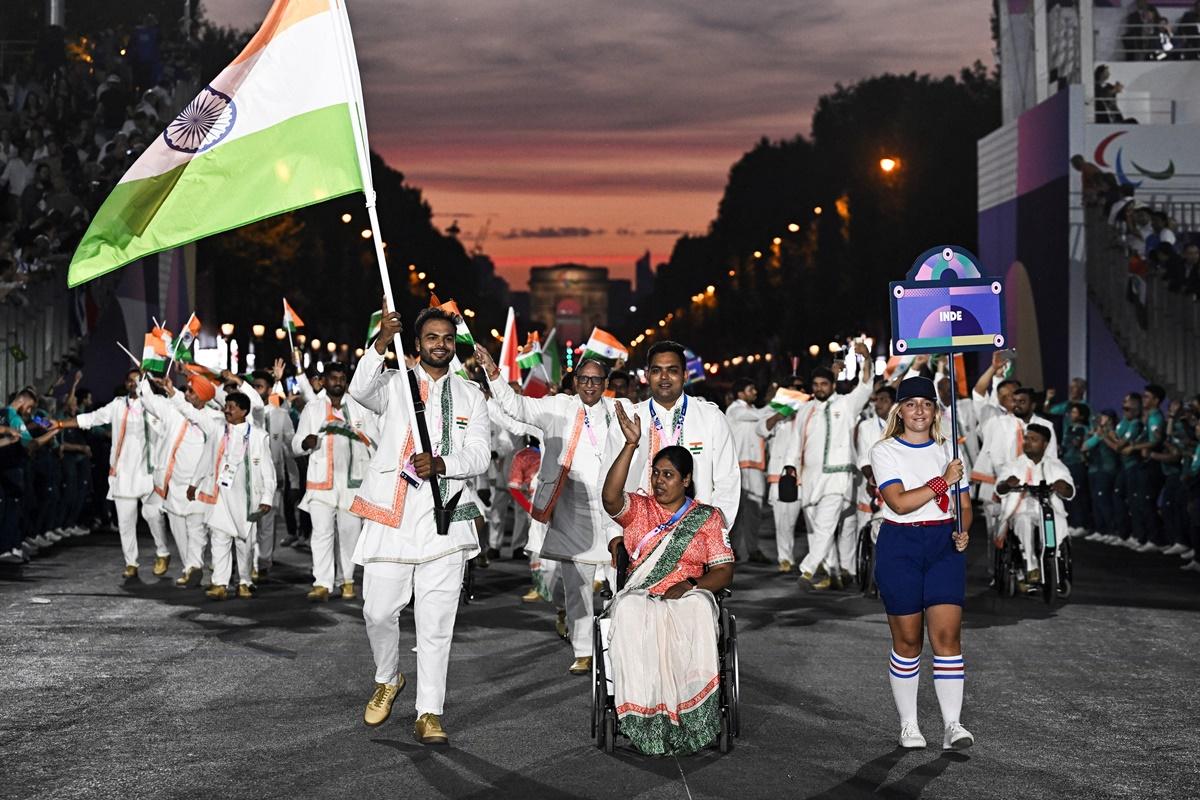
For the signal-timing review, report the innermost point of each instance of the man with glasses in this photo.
(574, 435)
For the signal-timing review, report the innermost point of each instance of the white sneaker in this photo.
(1188, 555)
(52, 537)
(957, 737)
(1131, 543)
(910, 736)
(1174, 550)
(1114, 540)
(1077, 533)
(79, 530)
(11, 557)
(42, 541)
(1146, 547)
(1094, 537)
(1191, 566)
(28, 547)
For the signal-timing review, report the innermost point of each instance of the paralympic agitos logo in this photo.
(1118, 164)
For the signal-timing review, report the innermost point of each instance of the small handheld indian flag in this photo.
(181, 350)
(373, 325)
(602, 344)
(154, 353)
(788, 401)
(291, 320)
(462, 335)
(531, 354)
(509, 370)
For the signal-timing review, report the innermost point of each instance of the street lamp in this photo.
(331, 347)
(316, 344)
(227, 333)
(814, 350)
(280, 334)
(889, 164)
(227, 329)
(259, 330)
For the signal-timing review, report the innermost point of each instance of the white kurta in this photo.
(237, 476)
(177, 457)
(336, 466)
(399, 525)
(745, 425)
(574, 437)
(826, 444)
(705, 433)
(130, 459)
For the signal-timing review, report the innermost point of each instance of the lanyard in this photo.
(676, 425)
(245, 439)
(587, 424)
(662, 526)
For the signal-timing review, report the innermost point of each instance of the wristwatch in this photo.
(692, 581)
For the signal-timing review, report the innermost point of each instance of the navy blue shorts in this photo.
(917, 566)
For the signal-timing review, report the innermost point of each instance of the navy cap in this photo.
(915, 387)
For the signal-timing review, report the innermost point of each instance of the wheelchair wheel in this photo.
(733, 676)
(999, 571)
(599, 680)
(865, 560)
(1049, 578)
(609, 734)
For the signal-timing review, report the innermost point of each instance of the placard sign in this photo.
(947, 306)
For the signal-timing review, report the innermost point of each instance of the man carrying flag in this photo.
(408, 555)
(131, 466)
(574, 437)
(782, 444)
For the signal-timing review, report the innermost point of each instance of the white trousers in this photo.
(127, 514)
(434, 587)
(786, 515)
(222, 543)
(521, 523)
(1024, 524)
(501, 501)
(579, 599)
(190, 536)
(268, 534)
(845, 556)
(822, 519)
(325, 544)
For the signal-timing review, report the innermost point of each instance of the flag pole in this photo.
(358, 123)
(136, 363)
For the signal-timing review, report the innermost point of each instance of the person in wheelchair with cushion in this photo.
(666, 680)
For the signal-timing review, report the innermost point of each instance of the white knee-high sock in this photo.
(903, 674)
(948, 678)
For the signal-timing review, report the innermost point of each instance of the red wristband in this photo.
(939, 485)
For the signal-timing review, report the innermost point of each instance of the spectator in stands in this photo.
(1186, 278)
(1127, 527)
(1166, 263)
(1187, 34)
(1105, 98)
(1096, 182)
(1162, 230)
(1075, 434)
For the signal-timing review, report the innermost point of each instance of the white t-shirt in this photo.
(896, 461)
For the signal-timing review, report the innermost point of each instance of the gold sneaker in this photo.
(217, 593)
(560, 624)
(161, 564)
(348, 591)
(185, 580)
(428, 730)
(319, 594)
(130, 571)
(1035, 576)
(581, 666)
(379, 707)
(244, 592)
(815, 583)
(254, 576)
(531, 596)
(597, 586)
(785, 566)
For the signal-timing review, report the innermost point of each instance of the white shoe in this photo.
(910, 737)
(28, 547)
(1131, 543)
(1077, 533)
(1146, 547)
(11, 557)
(1188, 555)
(1191, 566)
(1094, 537)
(42, 541)
(1114, 540)
(52, 537)
(1174, 550)
(957, 737)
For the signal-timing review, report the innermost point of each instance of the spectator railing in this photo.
(1160, 339)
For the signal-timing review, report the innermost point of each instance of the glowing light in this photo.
(633, 309)
(331, 347)
(412, 267)
(777, 241)
(431, 286)
(420, 276)
(366, 233)
(316, 344)
(732, 273)
(793, 227)
(710, 290)
(358, 351)
(758, 253)
(280, 334)
(889, 164)
(817, 210)
(814, 350)
(467, 312)
(227, 329)
(347, 217)
(834, 347)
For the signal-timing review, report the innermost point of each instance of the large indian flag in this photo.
(270, 134)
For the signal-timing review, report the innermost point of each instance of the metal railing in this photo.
(1159, 338)
(1158, 41)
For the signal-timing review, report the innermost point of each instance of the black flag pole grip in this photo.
(954, 440)
(442, 514)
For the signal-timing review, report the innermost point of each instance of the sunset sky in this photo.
(592, 131)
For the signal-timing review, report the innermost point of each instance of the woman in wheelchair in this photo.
(665, 673)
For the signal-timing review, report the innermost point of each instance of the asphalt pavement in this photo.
(142, 690)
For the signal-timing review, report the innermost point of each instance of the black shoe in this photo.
(519, 554)
(493, 553)
(481, 561)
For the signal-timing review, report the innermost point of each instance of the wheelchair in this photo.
(868, 535)
(605, 727)
(1057, 568)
